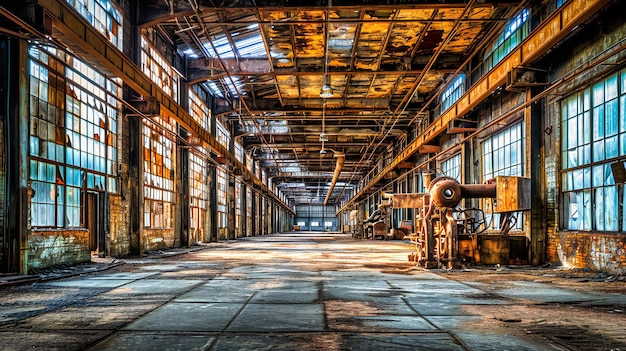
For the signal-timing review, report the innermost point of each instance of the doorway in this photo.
(95, 223)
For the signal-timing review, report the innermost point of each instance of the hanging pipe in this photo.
(341, 157)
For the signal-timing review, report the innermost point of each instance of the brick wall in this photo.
(155, 239)
(120, 222)
(53, 247)
(602, 252)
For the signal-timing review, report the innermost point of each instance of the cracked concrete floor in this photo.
(309, 291)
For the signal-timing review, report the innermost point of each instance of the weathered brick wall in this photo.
(120, 238)
(603, 252)
(53, 247)
(155, 239)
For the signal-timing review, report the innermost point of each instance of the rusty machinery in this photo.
(376, 225)
(439, 219)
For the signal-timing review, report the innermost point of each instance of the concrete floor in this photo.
(294, 291)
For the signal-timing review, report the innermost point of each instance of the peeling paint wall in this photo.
(53, 247)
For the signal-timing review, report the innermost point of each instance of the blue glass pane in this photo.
(34, 170)
(598, 176)
(611, 147)
(611, 118)
(598, 151)
(622, 113)
(598, 122)
(34, 146)
(599, 208)
(611, 87)
(583, 155)
(572, 158)
(586, 128)
(567, 181)
(572, 207)
(587, 177)
(598, 94)
(577, 179)
(608, 175)
(586, 210)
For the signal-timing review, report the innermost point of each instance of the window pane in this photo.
(573, 202)
(598, 125)
(610, 210)
(611, 117)
(611, 147)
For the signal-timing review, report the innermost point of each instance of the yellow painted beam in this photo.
(549, 33)
(80, 33)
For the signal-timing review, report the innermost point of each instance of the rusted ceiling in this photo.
(267, 61)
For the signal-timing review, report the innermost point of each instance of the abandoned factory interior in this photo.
(480, 132)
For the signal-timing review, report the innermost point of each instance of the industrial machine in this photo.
(376, 225)
(440, 220)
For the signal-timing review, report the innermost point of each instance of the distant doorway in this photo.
(95, 223)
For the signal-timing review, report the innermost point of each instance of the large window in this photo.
(159, 70)
(199, 110)
(453, 93)
(104, 16)
(514, 33)
(504, 154)
(249, 211)
(452, 167)
(222, 198)
(238, 187)
(72, 135)
(593, 122)
(197, 193)
(158, 172)
(223, 136)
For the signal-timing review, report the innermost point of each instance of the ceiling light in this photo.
(322, 151)
(323, 136)
(327, 91)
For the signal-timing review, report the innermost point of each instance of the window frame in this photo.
(597, 115)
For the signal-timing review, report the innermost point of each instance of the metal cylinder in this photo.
(478, 191)
(445, 192)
